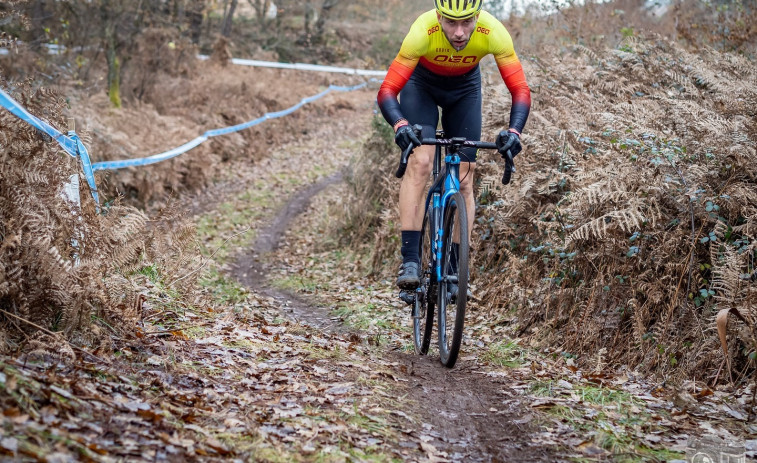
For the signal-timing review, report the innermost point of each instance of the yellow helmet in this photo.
(458, 9)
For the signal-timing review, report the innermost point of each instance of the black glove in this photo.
(507, 140)
(405, 137)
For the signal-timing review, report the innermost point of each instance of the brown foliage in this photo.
(61, 264)
(631, 218)
(634, 211)
(368, 216)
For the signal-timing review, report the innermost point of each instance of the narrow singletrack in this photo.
(466, 415)
(251, 269)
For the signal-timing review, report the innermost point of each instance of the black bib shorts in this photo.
(458, 97)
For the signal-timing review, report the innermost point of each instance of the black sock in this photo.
(411, 239)
(454, 257)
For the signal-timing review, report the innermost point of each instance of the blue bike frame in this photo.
(438, 195)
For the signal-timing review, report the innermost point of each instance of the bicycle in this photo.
(445, 219)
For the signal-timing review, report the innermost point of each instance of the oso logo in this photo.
(483, 30)
(455, 59)
(433, 29)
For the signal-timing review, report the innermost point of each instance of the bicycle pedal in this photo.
(408, 297)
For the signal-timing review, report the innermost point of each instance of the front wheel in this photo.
(423, 308)
(454, 272)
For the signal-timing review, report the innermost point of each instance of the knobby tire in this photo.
(423, 308)
(451, 334)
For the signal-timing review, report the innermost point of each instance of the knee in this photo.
(419, 168)
(466, 182)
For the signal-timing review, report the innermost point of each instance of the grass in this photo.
(336, 353)
(505, 354)
(224, 289)
(297, 283)
(371, 424)
(226, 228)
(365, 317)
(605, 396)
(614, 427)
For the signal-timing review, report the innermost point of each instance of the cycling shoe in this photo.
(409, 277)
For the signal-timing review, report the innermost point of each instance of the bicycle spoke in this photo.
(423, 308)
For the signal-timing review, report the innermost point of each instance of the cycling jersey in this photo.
(459, 98)
(427, 45)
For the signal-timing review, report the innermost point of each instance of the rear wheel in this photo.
(452, 314)
(423, 308)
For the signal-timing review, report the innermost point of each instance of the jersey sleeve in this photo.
(512, 73)
(413, 47)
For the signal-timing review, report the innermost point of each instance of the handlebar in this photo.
(509, 167)
(458, 143)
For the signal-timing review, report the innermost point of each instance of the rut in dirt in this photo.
(251, 269)
(466, 415)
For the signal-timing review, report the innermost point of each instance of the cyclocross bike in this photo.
(445, 221)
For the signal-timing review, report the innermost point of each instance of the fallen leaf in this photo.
(217, 446)
(9, 446)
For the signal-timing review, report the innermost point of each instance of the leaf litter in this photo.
(241, 381)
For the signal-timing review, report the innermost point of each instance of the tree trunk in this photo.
(308, 15)
(321, 22)
(194, 13)
(261, 10)
(38, 18)
(114, 67)
(226, 30)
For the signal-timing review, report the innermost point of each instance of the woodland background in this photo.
(630, 224)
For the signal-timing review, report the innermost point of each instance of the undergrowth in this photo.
(631, 219)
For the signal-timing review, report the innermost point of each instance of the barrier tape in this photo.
(138, 162)
(11, 105)
(71, 144)
(301, 66)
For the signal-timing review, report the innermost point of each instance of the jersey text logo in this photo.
(433, 29)
(483, 30)
(455, 59)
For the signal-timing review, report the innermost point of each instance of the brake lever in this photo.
(403, 162)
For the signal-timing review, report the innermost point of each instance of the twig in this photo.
(204, 264)
(52, 334)
(155, 333)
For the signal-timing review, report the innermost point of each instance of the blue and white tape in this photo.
(11, 105)
(113, 165)
(75, 148)
(71, 144)
(301, 67)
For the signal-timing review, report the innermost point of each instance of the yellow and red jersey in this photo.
(426, 44)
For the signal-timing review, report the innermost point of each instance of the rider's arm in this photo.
(396, 78)
(512, 73)
(413, 47)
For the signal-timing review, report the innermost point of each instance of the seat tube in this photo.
(437, 160)
(438, 235)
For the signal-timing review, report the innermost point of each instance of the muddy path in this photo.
(251, 267)
(464, 414)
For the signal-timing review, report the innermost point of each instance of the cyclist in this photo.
(438, 67)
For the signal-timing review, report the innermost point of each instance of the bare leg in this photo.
(466, 188)
(413, 187)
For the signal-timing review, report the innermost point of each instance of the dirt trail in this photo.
(465, 415)
(250, 267)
